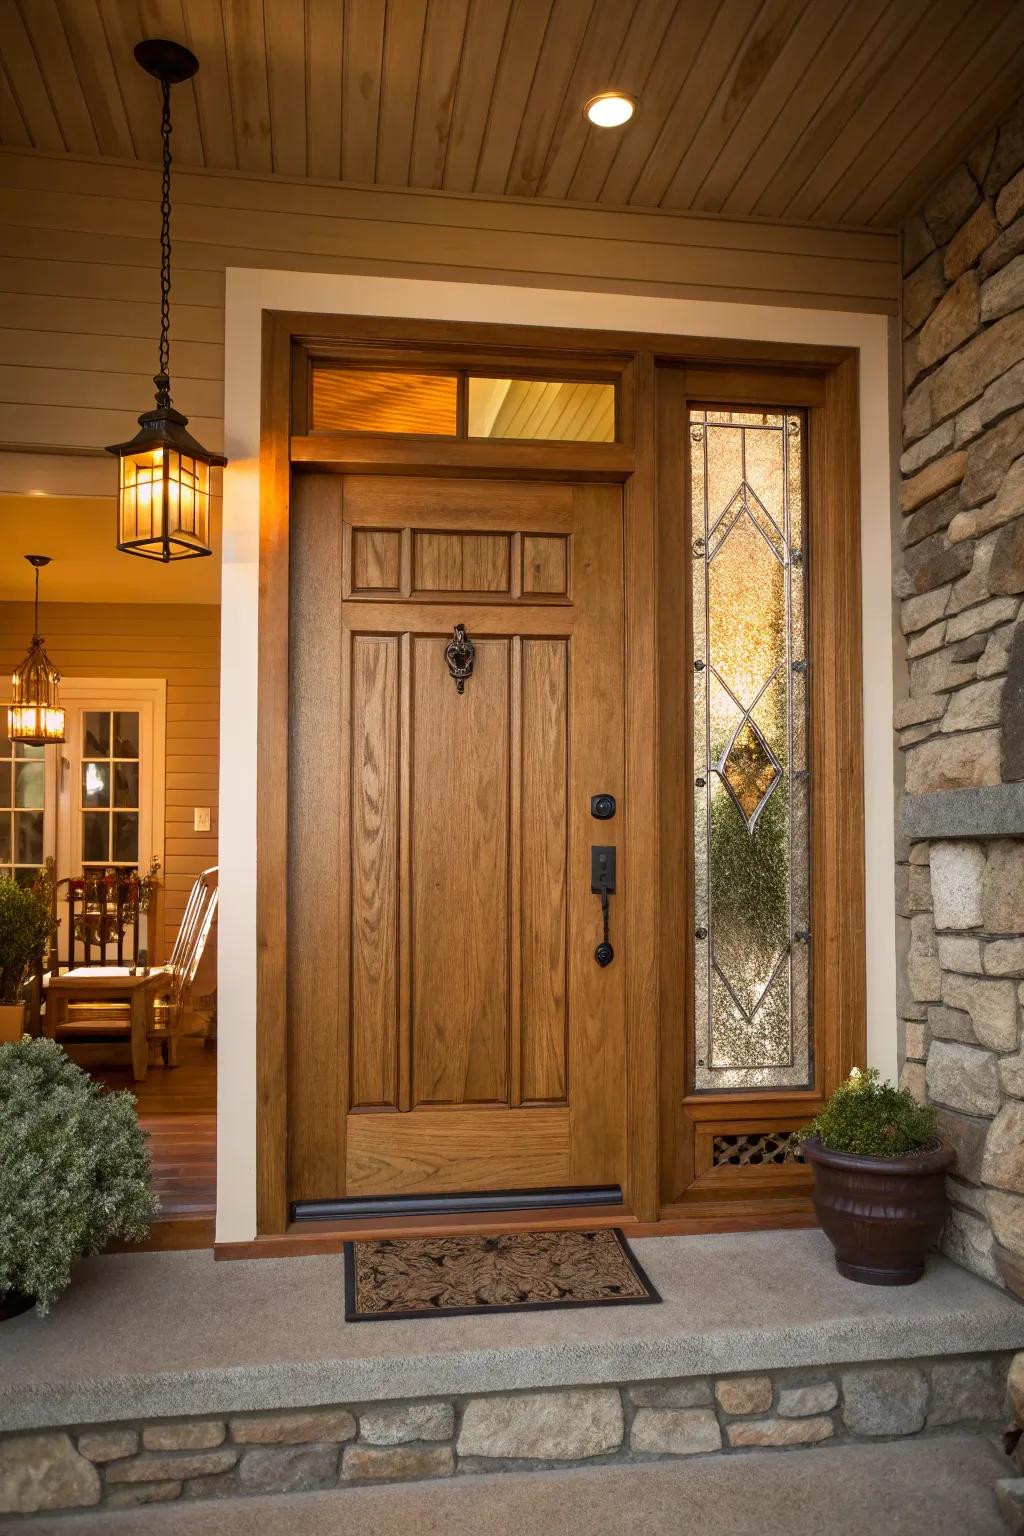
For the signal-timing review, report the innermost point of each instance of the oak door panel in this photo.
(456, 1151)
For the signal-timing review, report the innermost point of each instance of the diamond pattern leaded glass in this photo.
(751, 795)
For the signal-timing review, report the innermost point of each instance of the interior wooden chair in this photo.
(90, 1022)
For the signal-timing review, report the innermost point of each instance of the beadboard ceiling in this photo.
(836, 112)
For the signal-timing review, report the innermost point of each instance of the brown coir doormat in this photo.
(409, 1277)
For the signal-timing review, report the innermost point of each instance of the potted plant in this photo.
(74, 1172)
(25, 926)
(879, 1179)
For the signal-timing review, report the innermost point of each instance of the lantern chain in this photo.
(162, 379)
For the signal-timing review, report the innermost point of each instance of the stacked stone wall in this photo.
(959, 576)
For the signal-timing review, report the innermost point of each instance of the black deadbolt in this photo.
(602, 807)
(604, 954)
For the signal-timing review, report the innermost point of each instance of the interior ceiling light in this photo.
(163, 498)
(610, 110)
(34, 714)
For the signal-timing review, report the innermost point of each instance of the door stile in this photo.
(405, 894)
(515, 894)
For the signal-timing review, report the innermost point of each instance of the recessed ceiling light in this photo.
(611, 109)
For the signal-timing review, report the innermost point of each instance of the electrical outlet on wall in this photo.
(201, 818)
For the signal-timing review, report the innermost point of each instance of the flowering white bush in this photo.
(74, 1169)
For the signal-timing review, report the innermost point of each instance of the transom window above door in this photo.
(463, 405)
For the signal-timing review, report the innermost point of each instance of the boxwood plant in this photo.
(872, 1119)
(74, 1169)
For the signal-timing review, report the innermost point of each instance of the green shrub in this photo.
(74, 1169)
(872, 1119)
(25, 926)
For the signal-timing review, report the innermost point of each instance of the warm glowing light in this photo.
(610, 110)
(164, 504)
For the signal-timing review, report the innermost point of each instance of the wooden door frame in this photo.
(824, 377)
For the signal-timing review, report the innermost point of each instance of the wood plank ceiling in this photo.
(837, 112)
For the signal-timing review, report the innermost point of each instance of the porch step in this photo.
(943, 1486)
(150, 1335)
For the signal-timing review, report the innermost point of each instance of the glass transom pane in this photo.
(558, 410)
(751, 792)
(361, 400)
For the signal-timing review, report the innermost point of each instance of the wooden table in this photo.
(96, 984)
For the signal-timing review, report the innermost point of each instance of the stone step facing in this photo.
(166, 1377)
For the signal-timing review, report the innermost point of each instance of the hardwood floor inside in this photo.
(178, 1107)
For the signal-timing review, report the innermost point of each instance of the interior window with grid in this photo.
(22, 801)
(110, 788)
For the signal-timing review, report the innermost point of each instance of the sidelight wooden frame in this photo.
(821, 378)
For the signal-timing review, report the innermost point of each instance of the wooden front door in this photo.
(449, 1027)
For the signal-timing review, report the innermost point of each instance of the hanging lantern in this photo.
(163, 497)
(35, 715)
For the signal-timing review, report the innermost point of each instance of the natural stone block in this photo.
(973, 621)
(191, 1435)
(974, 587)
(134, 1494)
(957, 953)
(688, 1393)
(1010, 1498)
(1007, 504)
(931, 676)
(923, 289)
(968, 1240)
(1007, 574)
(969, 242)
(951, 1024)
(1003, 1164)
(155, 1469)
(396, 1463)
(919, 889)
(917, 411)
(966, 1390)
(965, 375)
(1015, 1387)
(297, 1427)
(915, 1042)
(1003, 292)
(917, 242)
(957, 873)
(933, 517)
(963, 1078)
(932, 562)
(44, 1471)
(1003, 888)
(927, 640)
(975, 706)
(963, 762)
(915, 733)
(991, 1004)
(967, 1138)
(801, 1402)
(927, 706)
(1005, 957)
(219, 1485)
(997, 653)
(971, 648)
(413, 1421)
(1011, 1075)
(1013, 711)
(951, 203)
(675, 1431)
(1006, 1213)
(108, 1444)
(780, 1432)
(552, 1426)
(1004, 394)
(1008, 155)
(990, 457)
(924, 974)
(919, 612)
(288, 1468)
(1010, 201)
(953, 321)
(967, 425)
(884, 1400)
(927, 449)
(1009, 244)
(744, 1394)
(968, 1195)
(912, 1078)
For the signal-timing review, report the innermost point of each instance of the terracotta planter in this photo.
(12, 1021)
(880, 1214)
(13, 1304)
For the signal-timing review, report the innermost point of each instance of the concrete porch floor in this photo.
(944, 1487)
(142, 1335)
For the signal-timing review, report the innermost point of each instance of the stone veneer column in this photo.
(960, 578)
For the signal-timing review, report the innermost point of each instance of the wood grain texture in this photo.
(487, 96)
(457, 1150)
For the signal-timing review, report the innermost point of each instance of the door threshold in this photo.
(471, 1202)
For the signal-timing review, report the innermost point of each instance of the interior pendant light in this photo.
(163, 498)
(34, 714)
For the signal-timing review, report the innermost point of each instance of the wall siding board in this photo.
(180, 643)
(79, 309)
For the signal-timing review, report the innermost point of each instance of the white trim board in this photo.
(251, 291)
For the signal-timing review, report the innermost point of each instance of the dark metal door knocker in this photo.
(460, 654)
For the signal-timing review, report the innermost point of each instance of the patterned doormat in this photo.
(407, 1277)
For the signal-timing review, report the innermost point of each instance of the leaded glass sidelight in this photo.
(751, 791)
